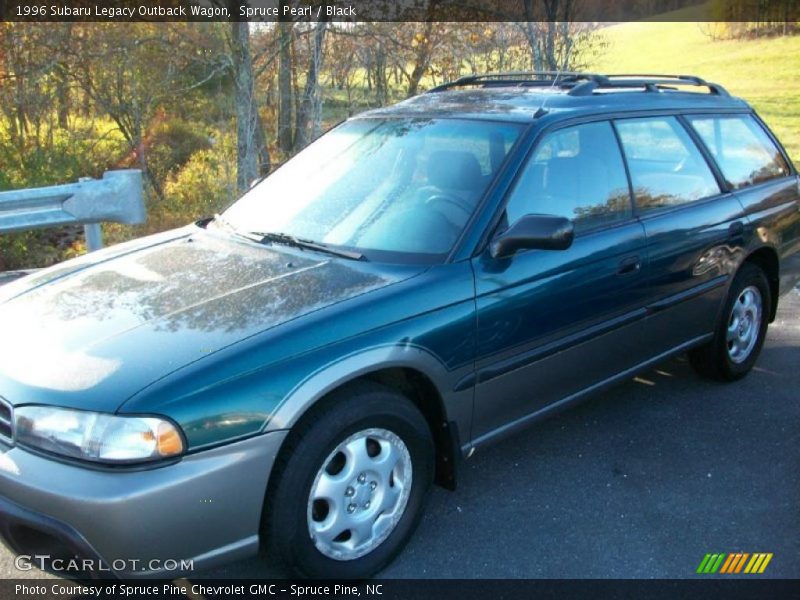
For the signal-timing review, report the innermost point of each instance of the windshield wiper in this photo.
(287, 240)
(290, 240)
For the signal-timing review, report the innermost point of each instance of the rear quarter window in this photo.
(744, 152)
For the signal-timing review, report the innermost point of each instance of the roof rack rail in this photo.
(518, 78)
(650, 83)
(580, 84)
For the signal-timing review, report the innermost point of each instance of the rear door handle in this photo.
(629, 265)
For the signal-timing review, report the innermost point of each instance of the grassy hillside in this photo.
(764, 72)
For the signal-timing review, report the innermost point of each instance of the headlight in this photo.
(97, 437)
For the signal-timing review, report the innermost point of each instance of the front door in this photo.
(552, 323)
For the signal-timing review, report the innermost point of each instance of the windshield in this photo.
(394, 189)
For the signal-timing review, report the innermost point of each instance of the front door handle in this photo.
(629, 265)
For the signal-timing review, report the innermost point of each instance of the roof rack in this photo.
(582, 84)
(650, 83)
(516, 78)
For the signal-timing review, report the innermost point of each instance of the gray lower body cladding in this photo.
(205, 508)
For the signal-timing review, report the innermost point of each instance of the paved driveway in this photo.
(639, 482)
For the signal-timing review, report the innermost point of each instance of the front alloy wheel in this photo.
(361, 464)
(359, 494)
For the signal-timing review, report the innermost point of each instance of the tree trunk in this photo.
(316, 113)
(62, 93)
(285, 91)
(381, 89)
(531, 34)
(551, 16)
(566, 55)
(246, 111)
(137, 140)
(422, 58)
(310, 106)
(62, 83)
(264, 162)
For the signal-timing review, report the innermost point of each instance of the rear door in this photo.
(552, 323)
(761, 176)
(694, 228)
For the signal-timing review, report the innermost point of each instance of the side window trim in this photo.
(662, 210)
(723, 184)
(768, 132)
(631, 194)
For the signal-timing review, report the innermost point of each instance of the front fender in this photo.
(336, 374)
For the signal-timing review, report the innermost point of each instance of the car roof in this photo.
(508, 97)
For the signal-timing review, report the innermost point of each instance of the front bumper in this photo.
(206, 509)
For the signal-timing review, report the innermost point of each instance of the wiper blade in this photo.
(290, 240)
(223, 223)
(287, 240)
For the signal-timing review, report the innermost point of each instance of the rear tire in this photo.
(350, 484)
(740, 334)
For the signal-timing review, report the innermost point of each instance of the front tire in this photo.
(740, 334)
(350, 484)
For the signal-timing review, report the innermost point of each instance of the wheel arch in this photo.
(766, 258)
(423, 392)
(410, 370)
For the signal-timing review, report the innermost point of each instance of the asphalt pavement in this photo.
(639, 482)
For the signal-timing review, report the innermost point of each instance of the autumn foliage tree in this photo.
(206, 108)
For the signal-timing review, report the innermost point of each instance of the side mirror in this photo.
(542, 232)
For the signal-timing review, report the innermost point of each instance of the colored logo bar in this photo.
(737, 562)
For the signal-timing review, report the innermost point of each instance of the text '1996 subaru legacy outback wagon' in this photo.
(420, 281)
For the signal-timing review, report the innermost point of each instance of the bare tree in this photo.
(30, 76)
(285, 89)
(310, 111)
(247, 123)
(129, 74)
(554, 37)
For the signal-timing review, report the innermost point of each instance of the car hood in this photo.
(90, 333)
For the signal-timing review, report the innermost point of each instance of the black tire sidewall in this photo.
(747, 276)
(287, 520)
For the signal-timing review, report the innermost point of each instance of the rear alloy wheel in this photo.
(349, 487)
(740, 334)
(744, 324)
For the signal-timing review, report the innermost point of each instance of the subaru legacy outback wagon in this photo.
(422, 280)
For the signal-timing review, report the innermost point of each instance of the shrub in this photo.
(168, 144)
(206, 184)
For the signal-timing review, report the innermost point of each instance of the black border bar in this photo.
(607, 11)
(708, 588)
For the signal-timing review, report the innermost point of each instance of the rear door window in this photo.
(744, 152)
(667, 169)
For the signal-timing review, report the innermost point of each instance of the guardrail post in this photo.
(94, 236)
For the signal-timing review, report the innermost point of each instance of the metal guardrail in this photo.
(117, 198)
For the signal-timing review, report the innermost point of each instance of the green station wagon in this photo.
(422, 280)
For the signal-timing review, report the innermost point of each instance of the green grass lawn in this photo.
(765, 72)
